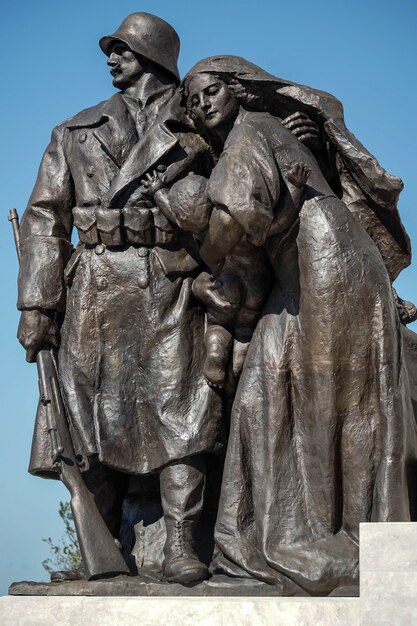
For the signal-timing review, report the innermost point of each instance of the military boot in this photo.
(182, 491)
(181, 563)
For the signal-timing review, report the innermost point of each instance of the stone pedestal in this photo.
(388, 570)
(388, 596)
(186, 611)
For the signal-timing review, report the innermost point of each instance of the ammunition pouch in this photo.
(109, 226)
(119, 227)
(138, 226)
(85, 222)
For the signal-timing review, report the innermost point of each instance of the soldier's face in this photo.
(210, 101)
(125, 66)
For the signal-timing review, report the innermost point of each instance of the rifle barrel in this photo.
(14, 219)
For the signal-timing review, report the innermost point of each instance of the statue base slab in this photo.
(36, 611)
(388, 595)
(218, 586)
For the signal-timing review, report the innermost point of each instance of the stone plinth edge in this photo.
(388, 566)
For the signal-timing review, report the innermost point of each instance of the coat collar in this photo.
(112, 126)
(115, 108)
(155, 144)
(98, 114)
(149, 89)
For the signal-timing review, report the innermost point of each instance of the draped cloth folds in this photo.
(368, 190)
(322, 433)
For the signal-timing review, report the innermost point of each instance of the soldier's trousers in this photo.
(181, 485)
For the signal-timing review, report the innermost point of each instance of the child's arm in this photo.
(154, 187)
(297, 176)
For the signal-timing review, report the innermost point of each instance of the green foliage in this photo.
(66, 554)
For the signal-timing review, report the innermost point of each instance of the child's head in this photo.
(189, 201)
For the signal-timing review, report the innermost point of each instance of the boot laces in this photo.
(181, 543)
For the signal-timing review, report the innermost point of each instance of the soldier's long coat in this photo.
(131, 353)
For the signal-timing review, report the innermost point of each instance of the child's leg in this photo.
(244, 328)
(222, 297)
(218, 341)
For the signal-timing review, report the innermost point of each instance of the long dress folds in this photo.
(322, 432)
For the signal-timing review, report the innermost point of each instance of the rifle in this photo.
(100, 555)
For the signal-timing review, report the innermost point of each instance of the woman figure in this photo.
(322, 432)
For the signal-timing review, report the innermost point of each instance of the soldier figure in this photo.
(120, 306)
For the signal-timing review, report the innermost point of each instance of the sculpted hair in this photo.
(241, 93)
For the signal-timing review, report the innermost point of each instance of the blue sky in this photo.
(362, 51)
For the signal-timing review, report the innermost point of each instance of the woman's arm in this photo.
(291, 203)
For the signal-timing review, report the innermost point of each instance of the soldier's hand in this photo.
(304, 129)
(37, 330)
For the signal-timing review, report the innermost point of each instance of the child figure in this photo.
(238, 286)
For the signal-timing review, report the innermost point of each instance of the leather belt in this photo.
(117, 227)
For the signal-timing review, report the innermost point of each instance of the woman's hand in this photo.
(304, 129)
(205, 289)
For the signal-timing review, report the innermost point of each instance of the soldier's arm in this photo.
(45, 249)
(45, 232)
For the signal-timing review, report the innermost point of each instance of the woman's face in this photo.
(210, 101)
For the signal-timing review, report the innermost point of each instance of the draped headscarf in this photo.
(369, 191)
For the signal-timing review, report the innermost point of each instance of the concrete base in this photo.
(388, 570)
(388, 596)
(186, 611)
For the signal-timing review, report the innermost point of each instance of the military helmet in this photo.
(149, 36)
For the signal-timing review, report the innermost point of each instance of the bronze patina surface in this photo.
(225, 366)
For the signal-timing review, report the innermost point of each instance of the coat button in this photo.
(100, 248)
(142, 251)
(82, 138)
(101, 284)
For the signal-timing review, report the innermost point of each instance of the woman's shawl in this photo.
(246, 179)
(369, 191)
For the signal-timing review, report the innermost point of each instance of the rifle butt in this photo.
(100, 554)
(101, 557)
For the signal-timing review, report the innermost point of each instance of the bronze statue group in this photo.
(229, 305)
